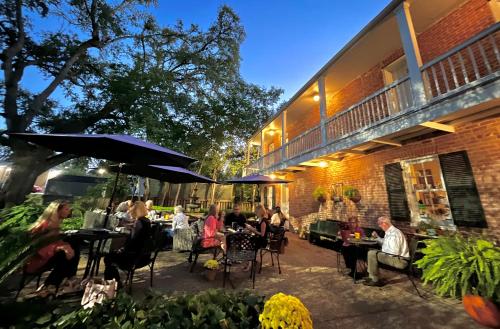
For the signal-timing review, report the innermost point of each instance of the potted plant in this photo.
(285, 311)
(319, 194)
(465, 268)
(212, 266)
(352, 194)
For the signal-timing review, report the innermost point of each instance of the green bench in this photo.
(323, 230)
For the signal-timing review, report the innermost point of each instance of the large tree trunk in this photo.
(28, 162)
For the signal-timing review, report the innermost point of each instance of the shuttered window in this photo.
(464, 199)
(398, 203)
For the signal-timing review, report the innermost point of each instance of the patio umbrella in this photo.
(175, 175)
(258, 180)
(118, 148)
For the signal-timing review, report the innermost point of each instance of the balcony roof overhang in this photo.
(340, 66)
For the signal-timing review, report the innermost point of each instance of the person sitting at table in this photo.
(123, 216)
(151, 211)
(180, 220)
(262, 230)
(279, 219)
(61, 256)
(211, 236)
(125, 256)
(394, 251)
(220, 220)
(235, 217)
(348, 250)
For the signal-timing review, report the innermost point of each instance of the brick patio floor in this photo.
(309, 272)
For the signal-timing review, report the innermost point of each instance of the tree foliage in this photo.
(109, 67)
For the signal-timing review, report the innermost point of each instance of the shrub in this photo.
(319, 193)
(457, 266)
(350, 192)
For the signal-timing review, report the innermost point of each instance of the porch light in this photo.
(316, 98)
(272, 176)
(271, 132)
(323, 164)
(101, 171)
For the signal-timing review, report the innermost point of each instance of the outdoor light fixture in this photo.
(101, 171)
(323, 164)
(272, 176)
(271, 132)
(316, 98)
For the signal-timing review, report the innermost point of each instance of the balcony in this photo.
(463, 77)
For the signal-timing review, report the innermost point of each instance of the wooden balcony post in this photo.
(283, 135)
(261, 143)
(322, 108)
(412, 52)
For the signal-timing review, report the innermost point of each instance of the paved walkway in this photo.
(309, 272)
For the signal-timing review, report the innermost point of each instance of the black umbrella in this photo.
(258, 180)
(118, 148)
(169, 174)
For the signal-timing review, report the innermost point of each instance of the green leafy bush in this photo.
(208, 309)
(350, 192)
(457, 266)
(159, 208)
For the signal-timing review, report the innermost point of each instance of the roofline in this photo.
(379, 18)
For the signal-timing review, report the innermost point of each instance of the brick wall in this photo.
(461, 24)
(480, 139)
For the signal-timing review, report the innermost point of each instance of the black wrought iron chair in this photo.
(28, 277)
(273, 248)
(146, 257)
(241, 247)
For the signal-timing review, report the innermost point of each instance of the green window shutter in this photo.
(398, 203)
(464, 199)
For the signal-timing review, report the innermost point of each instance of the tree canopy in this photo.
(109, 67)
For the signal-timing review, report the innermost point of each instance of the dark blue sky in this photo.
(286, 41)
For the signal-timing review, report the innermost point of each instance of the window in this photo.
(395, 71)
(426, 191)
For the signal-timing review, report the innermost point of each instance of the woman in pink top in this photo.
(211, 236)
(59, 255)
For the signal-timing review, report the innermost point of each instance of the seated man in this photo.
(235, 217)
(279, 219)
(393, 245)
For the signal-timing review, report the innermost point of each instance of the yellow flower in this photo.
(211, 264)
(285, 311)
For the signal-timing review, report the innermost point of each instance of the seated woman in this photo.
(348, 250)
(211, 236)
(151, 211)
(134, 245)
(122, 213)
(262, 230)
(59, 255)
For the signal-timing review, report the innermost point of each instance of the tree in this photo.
(120, 72)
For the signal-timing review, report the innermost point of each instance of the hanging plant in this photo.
(352, 194)
(320, 194)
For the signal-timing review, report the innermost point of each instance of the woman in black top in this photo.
(263, 229)
(126, 256)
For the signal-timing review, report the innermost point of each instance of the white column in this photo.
(262, 142)
(283, 135)
(412, 52)
(322, 108)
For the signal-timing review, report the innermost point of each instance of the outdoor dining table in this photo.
(97, 238)
(361, 243)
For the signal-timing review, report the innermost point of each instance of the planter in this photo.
(321, 199)
(483, 311)
(355, 198)
(210, 274)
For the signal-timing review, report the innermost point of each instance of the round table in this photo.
(361, 243)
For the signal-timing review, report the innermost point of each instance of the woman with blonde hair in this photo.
(59, 255)
(124, 257)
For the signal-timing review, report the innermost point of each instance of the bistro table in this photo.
(361, 243)
(97, 238)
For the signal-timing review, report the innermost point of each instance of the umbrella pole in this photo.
(110, 204)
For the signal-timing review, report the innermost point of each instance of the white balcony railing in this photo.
(462, 66)
(306, 141)
(472, 63)
(383, 103)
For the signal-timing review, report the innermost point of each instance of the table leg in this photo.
(90, 258)
(96, 258)
(355, 264)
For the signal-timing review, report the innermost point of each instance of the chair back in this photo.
(241, 247)
(276, 240)
(151, 246)
(413, 246)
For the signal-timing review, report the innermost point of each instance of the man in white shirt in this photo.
(394, 252)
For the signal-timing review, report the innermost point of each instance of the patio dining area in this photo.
(310, 273)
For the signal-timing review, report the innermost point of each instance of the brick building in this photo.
(407, 114)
